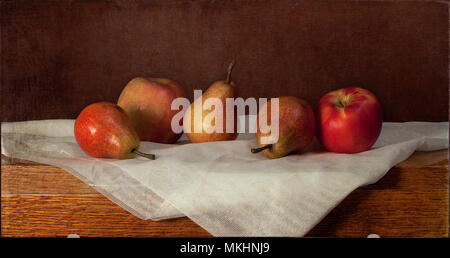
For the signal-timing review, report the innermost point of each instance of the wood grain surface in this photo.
(41, 200)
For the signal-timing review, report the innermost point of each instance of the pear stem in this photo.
(230, 69)
(145, 155)
(256, 150)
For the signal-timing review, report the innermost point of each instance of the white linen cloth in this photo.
(222, 186)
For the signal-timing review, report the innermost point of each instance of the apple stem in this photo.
(145, 155)
(256, 150)
(230, 69)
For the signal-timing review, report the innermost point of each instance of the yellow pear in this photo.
(207, 118)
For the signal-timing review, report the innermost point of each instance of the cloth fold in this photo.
(222, 186)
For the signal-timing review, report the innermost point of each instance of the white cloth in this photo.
(221, 185)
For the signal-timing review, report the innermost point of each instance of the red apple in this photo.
(348, 120)
(103, 130)
(147, 102)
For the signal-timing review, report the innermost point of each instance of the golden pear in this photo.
(206, 118)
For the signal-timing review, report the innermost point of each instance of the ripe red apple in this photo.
(147, 102)
(348, 120)
(103, 130)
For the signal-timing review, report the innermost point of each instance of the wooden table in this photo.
(42, 200)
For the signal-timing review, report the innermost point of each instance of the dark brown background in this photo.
(57, 57)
